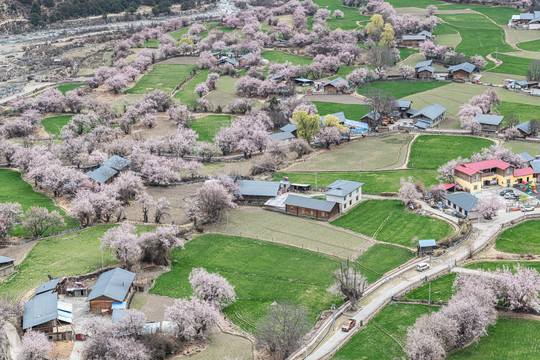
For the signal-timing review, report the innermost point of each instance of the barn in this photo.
(314, 208)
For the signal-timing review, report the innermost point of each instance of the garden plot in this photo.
(381, 258)
(164, 77)
(280, 57)
(521, 146)
(513, 65)
(186, 94)
(351, 111)
(521, 239)
(296, 231)
(366, 154)
(54, 124)
(208, 126)
(403, 89)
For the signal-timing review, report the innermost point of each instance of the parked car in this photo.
(511, 195)
(348, 325)
(505, 191)
(422, 266)
(526, 208)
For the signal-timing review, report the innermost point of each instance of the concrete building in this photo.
(345, 193)
(464, 203)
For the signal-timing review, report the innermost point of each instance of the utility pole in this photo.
(429, 297)
(333, 316)
(101, 247)
(227, 223)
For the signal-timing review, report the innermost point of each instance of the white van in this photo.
(422, 266)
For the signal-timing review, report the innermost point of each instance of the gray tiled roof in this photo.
(343, 187)
(535, 164)
(289, 128)
(373, 115)
(412, 112)
(113, 284)
(102, 174)
(48, 286)
(310, 203)
(431, 69)
(336, 80)
(468, 67)
(41, 309)
(422, 125)
(421, 64)
(486, 119)
(117, 162)
(339, 115)
(258, 188)
(278, 76)
(525, 127)
(403, 103)
(432, 111)
(525, 155)
(464, 200)
(413, 37)
(5, 259)
(281, 136)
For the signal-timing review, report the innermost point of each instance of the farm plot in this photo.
(512, 65)
(261, 273)
(524, 112)
(165, 77)
(366, 154)
(280, 57)
(499, 78)
(54, 124)
(177, 35)
(388, 221)
(208, 126)
(352, 111)
(186, 94)
(64, 255)
(225, 92)
(521, 239)
(533, 45)
(521, 146)
(401, 89)
(432, 151)
(383, 336)
(375, 181)
(304, 233)
(15, 189)
(381, 258)
(451, 40)
(68, 87)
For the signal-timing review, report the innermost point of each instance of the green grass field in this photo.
(352, 111)
(512, 65)
(54, 124)
(186, 94)
(521, 146)
(225, 92)
(64, 255)
(444, 29)
(524, 112)
(276, 56)
(406, 52)
(388, 221)
(177, 35)
(261, 273)
(508, 339)
(521, 239)
(494, 265)
(378, 339)
(165, 77)
(375, 181)
(208, 126)
(68, 87)
(432, 151)
(401, 89)
(533, 45)
(499, 14)
(15, 189)
(381, 258)
(441, 289)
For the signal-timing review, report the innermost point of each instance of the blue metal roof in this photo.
(487, 119)
(278, 76)
(258, 188)
(336, 80)
(281, 136)
(431, 69)
(117, 162)
(339, 115)
(289, 128)
(413, 37)
(41, 309)
(5, 259)
(432, 111)
(422, 64)
(102, 174)
(468, 67)
(526, 156)
(525, 127)
(427, 243)
(343, 187)
(113, 284)
(309, 203)
(48, 286)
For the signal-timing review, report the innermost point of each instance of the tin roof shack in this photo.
(257, 192)
(46, 314)
(426, 246)
(112, 286)
(309, 207)
(7, 265)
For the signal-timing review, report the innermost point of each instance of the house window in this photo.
(350, 202)
(357, 198)
(475, 187)
(345, 206)
(322, 213)
(303, 211)
(292, 208)
(509, 170)
(476, 177)
(311, 212)
(508, 182)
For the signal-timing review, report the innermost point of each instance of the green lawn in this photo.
(68, 87)
(512, 65)
(406, 52)
(208, 126)
(186, 94)
(401, 89)
(261, 273)
(508, 339)
(177, 35)
(162, 76)
(533, 45)
(64, 255)
(352, 111)
(441, 289)
(15, 189)
(378, 339)
(381, 258)
(524, 112)
(54, 124)
(276, 56)
(521, 239)
(388, 221)
(499, 14)
(444, 29)
(375, 181)
(432, 151)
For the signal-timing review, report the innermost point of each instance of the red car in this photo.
(349, 324)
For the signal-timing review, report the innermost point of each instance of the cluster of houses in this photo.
(428, 117)
(528, 20)
(415, 39)
(231, 58)
(463, 71)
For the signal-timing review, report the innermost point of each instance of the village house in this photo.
(462, 71)
(109, 169)
(330, 87)
(426, 246)
(44, 313)
(413, 40)
(423, 69)
(528, 20)
(7, 265)
(340, 116)
(112, 286)
(243, 59)
(303, 82)
(535, 165)
(257, 191)
(403, 106)
(314, 208)
(345, 193)
(52, 285)
(426, 33)
(429, 117)
(372, 118)
(527, 157)
(525, 129)
(290, 128)
(490, 123)
(464, 203)
(281, 136)
(278, 77)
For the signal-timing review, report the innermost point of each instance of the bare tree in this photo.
(281, 330)
(381, 103)
(534, 126)
(380, 57)
(533, 72)
(350, 283)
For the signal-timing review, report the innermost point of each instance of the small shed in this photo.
(331, 87)
(490, 123)
(7, 265)
(426, 246)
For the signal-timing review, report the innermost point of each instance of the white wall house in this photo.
(345, 193)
